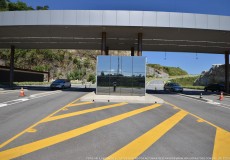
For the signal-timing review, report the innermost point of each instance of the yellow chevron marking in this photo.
(37, 145)
(135, 148)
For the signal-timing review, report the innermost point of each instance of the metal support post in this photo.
(103, 44)
(107, 51)
(12, 51)
(139, 50)
(227, 71)
(132, 51)
(49, 76)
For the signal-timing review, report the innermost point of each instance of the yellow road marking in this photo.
(222, 145)
(32, 126)
(83, 112)
(175, 108)
(34, 146)
(65, 109)
(78, 104)
(31, 130)
(138, 146)
(194, 115)
(221, 148)
(199, 120)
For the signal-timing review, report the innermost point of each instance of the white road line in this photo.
(24, 99)
(44, 93)
(209, 102)
(216, 103)
(11, 91)
(2, 105)
(35, 96)
(224, 107)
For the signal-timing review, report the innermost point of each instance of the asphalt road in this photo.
(55, 125)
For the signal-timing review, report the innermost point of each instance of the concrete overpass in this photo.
(116, 30)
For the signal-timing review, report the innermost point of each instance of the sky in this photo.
(192, 63)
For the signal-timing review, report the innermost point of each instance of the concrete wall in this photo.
(21, 76)
(115, 18)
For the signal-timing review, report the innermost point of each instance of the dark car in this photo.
(214, 87)
(174, 87)
(60, 84)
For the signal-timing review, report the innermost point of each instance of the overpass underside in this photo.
(117, 38)
(116, 30)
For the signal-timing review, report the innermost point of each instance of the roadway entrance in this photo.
(116, 30)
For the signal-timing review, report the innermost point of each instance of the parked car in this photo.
(214, 87)
(174, 87)
(60, 84)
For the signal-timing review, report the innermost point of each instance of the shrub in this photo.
(91, 78)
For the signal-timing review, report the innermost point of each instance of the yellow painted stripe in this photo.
(32, 126)
(138, 146)
(34, 146)
(222, 145)
(83, 112)
(78, 104)
(221, 148)
(201, 119)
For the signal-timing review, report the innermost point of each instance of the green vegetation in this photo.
(92, 78)
(172, 71)
(7, 5)
(187, 82)
(74, 65)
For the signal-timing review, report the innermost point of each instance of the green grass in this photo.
(148, 79)
(172, 71)
(185, 81)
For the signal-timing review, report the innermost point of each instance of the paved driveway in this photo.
(180, 128)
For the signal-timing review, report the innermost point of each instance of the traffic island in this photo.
(129, 99)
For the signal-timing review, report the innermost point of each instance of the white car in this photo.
(60, 84)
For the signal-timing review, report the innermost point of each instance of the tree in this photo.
(91, 78)
(3, 5)
(42, 7)
(19, 6)
(86, 63)
(7, 5)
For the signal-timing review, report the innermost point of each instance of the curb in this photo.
(147, 99)
(193, 97)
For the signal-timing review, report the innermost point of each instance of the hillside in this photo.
(216, 74)
(171, 71)
(71, 64)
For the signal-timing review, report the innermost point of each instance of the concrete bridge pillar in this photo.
(132, 51)
(107, 51)
(103, 43)
(227, 71)
(139, 47)
(12, 51)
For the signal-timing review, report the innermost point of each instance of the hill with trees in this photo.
(71, 64)
(171, 71)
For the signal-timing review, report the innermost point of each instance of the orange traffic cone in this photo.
(221, 96)
(22, 94)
